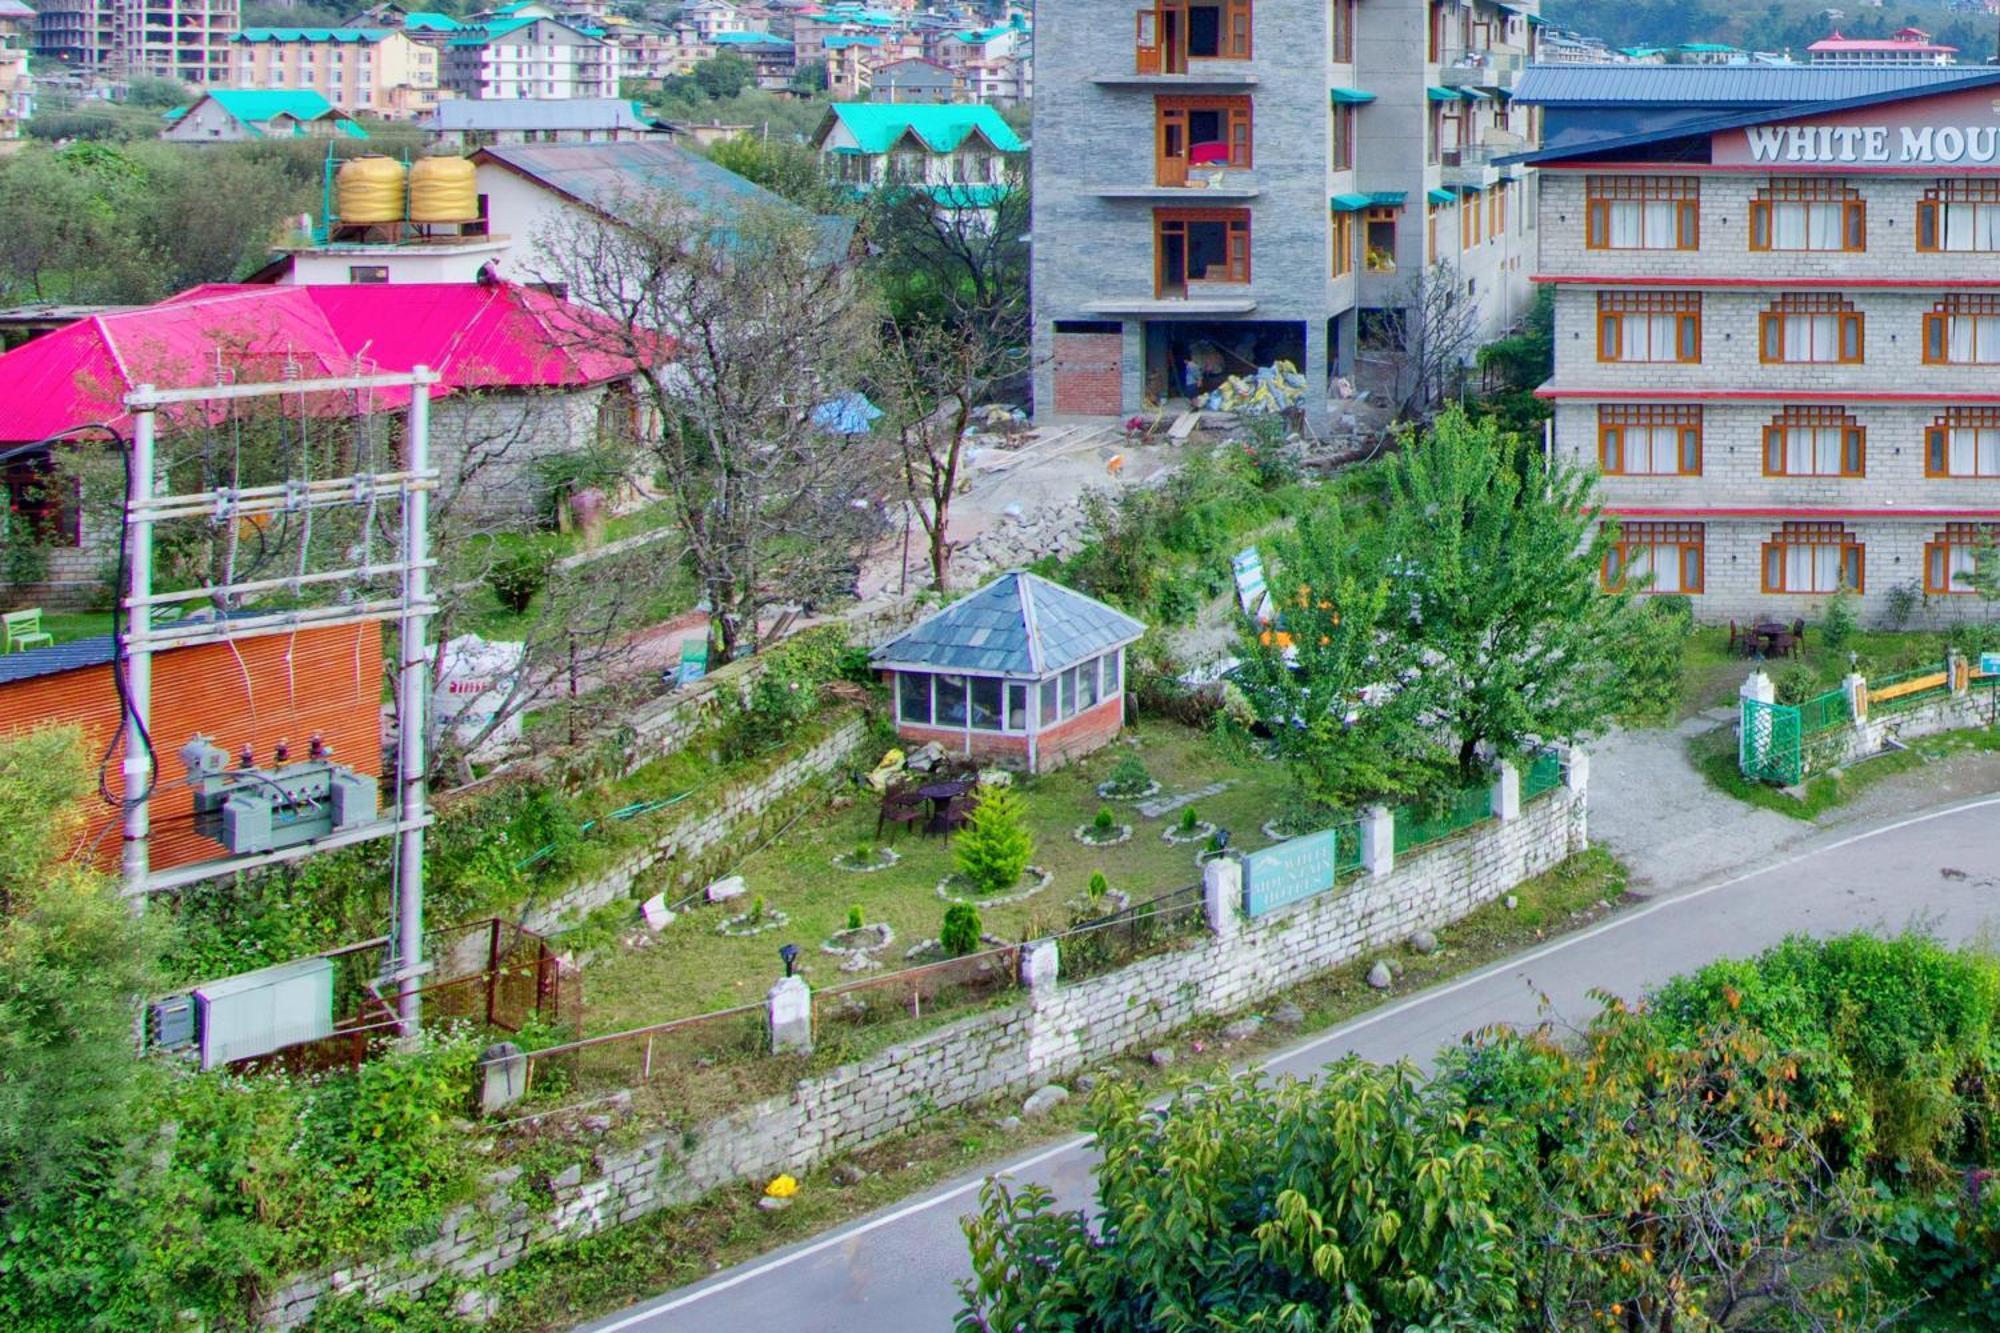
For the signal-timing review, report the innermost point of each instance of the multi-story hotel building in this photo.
(374, 70)
(531, 57)
(169, 39)
(1777, 325)
(1220, 184)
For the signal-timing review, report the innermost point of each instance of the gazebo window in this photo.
(924, 699)
(913, 691)
(950, 692)
(986, 699)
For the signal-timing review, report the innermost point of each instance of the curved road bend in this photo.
(894, 1272)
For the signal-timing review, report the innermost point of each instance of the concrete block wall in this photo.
(485, 446)
(1056, 1031)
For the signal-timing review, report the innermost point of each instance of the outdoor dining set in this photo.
(1767, 638)
(941, 805)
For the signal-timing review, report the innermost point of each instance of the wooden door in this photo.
(1146, 42)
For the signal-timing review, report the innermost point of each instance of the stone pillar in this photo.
(1507, 792)
(1958, 675)
(1222, 895)
(791, 1016)
(1378, 840)
(1855, 686)
(1576, 769)
(1758, 687)
(1041, 964)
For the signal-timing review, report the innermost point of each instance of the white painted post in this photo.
(1507, 792)
(1378, 840)
(1222, 895)
(1576, 769)
(1856, 687)
(1957, 678)
(1754, 745)
(791, 1016)
(1758, 686)
(1041, 964)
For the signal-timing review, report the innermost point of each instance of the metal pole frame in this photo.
(413, 649)
(137, 653)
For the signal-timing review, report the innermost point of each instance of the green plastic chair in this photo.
(24, 631)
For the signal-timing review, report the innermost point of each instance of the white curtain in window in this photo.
(1812, 568)
(1627, 225)
(1660, 225)
(1789, 230)
(1812, 338)
(1974, 453)
(1824, 227)
(1647, 338)
(1663, 563)
(1960, 562)
(1961, 334)
(1813, 451)
(1652, 449)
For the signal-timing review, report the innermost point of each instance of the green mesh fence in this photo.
(1469, 807)
(1824, 712)
(1543, 776)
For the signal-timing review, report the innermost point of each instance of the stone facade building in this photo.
(1256, 176)
(1777, 320)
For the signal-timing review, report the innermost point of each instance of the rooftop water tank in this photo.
(369, 190)
(444, 189)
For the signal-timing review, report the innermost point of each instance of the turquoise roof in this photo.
(984, 34)
(748, 39)
(840, 41)
(1350, 203)
(253, 107)
(1706, 48)
(430, 20)
(1441, 196)
(879, 126)
(310, 35)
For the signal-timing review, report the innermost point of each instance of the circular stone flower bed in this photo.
(746, 924)
(1114, 900)
(953, 889)
(1090, 836)
(863, 939)
(1106, 791)
(884, 858)
(932, 951)
(1178, 836)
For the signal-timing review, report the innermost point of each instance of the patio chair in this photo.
(1799, 635)
(24, 630)
(899, 808)
(1735, 641)
(952, 818)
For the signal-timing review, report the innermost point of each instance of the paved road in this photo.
(894, 1272)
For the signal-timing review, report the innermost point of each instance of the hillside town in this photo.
(693, 666)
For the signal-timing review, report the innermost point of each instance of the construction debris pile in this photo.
(1274, 388)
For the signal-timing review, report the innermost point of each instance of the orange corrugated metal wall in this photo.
(272, 687)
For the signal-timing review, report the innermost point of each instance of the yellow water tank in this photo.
(443, 189)
(369, 189)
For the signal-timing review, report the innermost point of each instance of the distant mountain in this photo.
(1778, 25)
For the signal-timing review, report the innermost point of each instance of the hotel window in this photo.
(1959, 215)
(1498, 208)
(1432, 250)
(1642, 213)
(1340, 18)
(1649, 440)
(1200, 245)
(1380, 239)
(1343, 244)
(1343, 138)
(1814, 327)
(1814, 442)
(1649, 326)
(1793, 214)
(1964, 442)
(1200, 132)
(1952, 556)
(1813, 557)
(1471, 219)
(1656, 558)
(1963, 331)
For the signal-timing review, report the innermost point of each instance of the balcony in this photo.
(1480, 69)
(1472, 166)
(1238, 188)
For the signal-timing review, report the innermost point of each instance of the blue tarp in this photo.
(849, 414)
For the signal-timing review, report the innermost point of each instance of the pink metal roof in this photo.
(477, 336)
(1917, 40)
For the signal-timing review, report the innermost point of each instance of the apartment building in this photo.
(17, 84)
(169, 39)
(372, 70)
(531, 57)
(1777, 326)
(1256, 177)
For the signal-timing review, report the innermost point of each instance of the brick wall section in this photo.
(1089, 730)
(272, 687)
(1058, 1031)
(730, 822)
(1086, 373)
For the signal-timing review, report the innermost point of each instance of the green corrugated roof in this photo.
(430, 20)
(941, 127)
(1351, 96)
(1441, 196)
(748, 39)
(1475, 94)
(1350, 203)
(1437, 94)
(1387, 198)
(310, 35)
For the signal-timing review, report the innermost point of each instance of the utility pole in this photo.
(412, 756)
(138, 653)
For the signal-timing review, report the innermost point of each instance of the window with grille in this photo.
(1959, 215)
(1807, 214)
(1810, 327)
(1964, 442)
(1951, 557)
(1649, 326)
(1656, 558)
(1963, 331)
(1813, 556)
(1646, 440)
(1642, 213)
(1814, 442)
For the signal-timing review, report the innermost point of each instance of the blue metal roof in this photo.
(1018, 625)
(94, 651)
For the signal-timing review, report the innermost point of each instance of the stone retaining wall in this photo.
(1060, 1028)
(728, 824)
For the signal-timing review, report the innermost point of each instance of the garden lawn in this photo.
(1710, 674)
(690, 969)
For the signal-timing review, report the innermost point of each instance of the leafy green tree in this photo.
(73, 959)
(779, 165)
(959, 935)
(1498, 558)
(994, 847)
(723, 76)
(158, 94)
(810, 77)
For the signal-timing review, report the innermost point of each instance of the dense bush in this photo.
(959, 935)
(994, 847)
